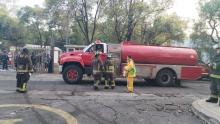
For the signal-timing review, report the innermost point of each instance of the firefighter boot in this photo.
(106, 84)
(24, 88)
(113, 84)
(96, 84)
(212, 99)
(18, 89)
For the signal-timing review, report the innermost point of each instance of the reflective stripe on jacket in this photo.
(23, 64)
(109, 66)
(215, 76)
(130, 69)
(215, 66)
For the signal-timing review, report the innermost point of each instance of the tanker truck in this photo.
(165, 66)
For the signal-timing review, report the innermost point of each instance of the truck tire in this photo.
(72, 74)
(165, 78)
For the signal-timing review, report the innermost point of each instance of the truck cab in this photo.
(73, 65)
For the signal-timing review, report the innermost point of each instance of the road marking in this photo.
(67, 117)
(10, 121)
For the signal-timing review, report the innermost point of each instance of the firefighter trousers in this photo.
(22, 79)
(130, 84)
(109, 79)
(215, 87)
(4, 65)
(97, 79)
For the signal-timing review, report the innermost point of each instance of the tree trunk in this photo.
(130, 21)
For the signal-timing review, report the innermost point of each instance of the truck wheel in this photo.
(72, 74)
(165, 78)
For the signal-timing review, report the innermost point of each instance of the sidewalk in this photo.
(208, 112)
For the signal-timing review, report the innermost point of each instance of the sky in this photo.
(30, 2)
(186, 8)
(188, 11)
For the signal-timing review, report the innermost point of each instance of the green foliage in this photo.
(206, 29)
(11, 32)
(211, 9)
(201, 41)
(33, 19)
(126, 19)
(165, 29)
(210, 13)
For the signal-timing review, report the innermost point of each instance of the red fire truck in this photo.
(166, 65)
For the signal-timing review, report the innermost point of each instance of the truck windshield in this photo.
(86, 49)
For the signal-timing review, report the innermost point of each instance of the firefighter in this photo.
(215, 77)
(23, 66)
(5, 60)
(109, 72)
(98, 65)
(130, 73)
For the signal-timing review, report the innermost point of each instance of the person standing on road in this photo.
(50, 64)
(98, 65)
(34, 61)
(109, 72)
(24, 67)
(215, 77)
(5, 60)
(97, 70)
(130, 73)
(46, 61)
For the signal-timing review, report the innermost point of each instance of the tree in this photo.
(59, 14)
(11, 32)
(210, 13)
(83, 16)
(202, 42)
(75, 15)
(206, 29)
(122, 16)
(166, 28)
(33, 19)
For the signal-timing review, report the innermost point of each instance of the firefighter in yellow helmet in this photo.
(130, 73)
(109, 72)
(23, 66)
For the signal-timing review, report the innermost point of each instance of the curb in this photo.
(208, 112)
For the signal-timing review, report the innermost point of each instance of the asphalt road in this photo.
(148, 105)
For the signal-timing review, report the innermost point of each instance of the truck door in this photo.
(88, 55)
